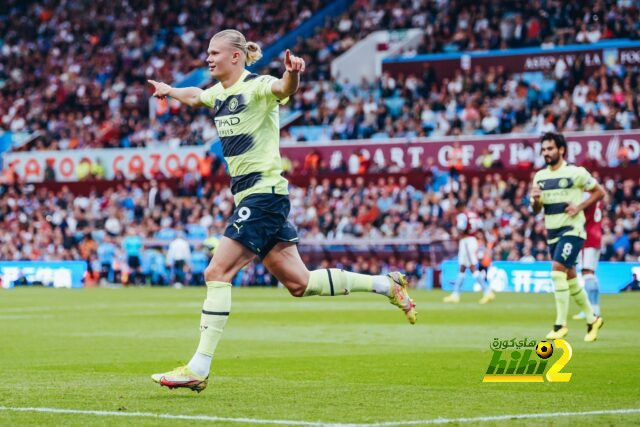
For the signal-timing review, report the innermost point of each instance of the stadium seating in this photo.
(468, 26)
(94, 96)
(106, 104)
(47, 225)
(473, 103)
(73, 82)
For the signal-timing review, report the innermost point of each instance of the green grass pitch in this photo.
(352, 359)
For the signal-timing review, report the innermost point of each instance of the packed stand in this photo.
(152, 233)
(484, 25)
(78, 83)
(474, 102)
(395, 209)
(471, 103)
(75, 72)
(455, 26)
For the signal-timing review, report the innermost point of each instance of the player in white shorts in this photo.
(467, 223)
(485, 255)
(590, 255)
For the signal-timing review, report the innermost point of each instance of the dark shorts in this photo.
(566, 250)
(134, 261)
(259, 222)
(105, 268)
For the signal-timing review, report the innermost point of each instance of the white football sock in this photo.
(458, 284)
(200, 364)
(382, 285)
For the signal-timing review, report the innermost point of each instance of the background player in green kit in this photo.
(245, 111)
(558, 189)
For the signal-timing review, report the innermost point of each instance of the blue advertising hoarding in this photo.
(57, 274)
(426, 281)
(515, 276)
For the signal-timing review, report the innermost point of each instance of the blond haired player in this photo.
(244, 107)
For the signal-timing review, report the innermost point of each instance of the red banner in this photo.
(401, 155)
(393, 156)
(131, 162)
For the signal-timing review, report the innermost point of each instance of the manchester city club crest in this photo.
(563, 183)
(233, 104)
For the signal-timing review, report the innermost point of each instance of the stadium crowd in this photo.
(69, 82)
(135, 224)
(75, 72)
(452, 26)
(471, 103)
(72, 82)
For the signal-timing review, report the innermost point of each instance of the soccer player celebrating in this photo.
(589, 256)
(467, 225)
(245, 110)
(558, 190)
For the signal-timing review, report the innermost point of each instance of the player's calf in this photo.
(454, 298)
(592, 289)
(334, 281)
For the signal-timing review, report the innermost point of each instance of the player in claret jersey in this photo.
(589, 256)
(244, 107)
(467, 223)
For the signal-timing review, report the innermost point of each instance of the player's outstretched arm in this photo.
(288, 84)
(187, 95)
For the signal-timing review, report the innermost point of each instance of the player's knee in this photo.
(214, 273)
(297, 289)
(294, 279)
(556, 266)
(296, 285)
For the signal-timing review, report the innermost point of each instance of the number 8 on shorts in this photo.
(566, 250)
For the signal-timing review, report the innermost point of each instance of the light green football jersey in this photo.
(246, 117)
(559, 188)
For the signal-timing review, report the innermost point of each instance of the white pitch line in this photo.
(318, 423)
(504, 417)
(165, 416)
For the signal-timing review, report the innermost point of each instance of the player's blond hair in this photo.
(252, 51)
